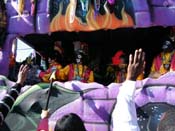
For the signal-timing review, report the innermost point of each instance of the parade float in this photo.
(92, 101)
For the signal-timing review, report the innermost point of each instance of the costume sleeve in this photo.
(140, 77)
(63, 73)
(124, 114)
(45, 75)
(91, 77)
(156, 64)
(153, 67)
(7, 102)
(173, 63)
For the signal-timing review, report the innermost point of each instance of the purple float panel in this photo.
(96, 107)
(102, 94)
(21, 24)
(42, 23)
(142, 19)
(113, 90)
(78, 86)
(170, 95)
(156, 90)
(156, 93)
(163, 16)
(8, 42)
(165, 79)
(162, 2)
(12, 7)
(4, 57)
(11, 11)
(97, 127)
(5, 53)
(141, 98)
(142, 13)
(73, 107)
(43, 6)
(42, 18)
(140, 5)
(98, 111)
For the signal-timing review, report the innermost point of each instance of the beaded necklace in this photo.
(77, 74)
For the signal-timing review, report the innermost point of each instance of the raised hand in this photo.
(22, 74)
(136, 65)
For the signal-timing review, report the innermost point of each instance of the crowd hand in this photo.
(136, 65)
(22, 74)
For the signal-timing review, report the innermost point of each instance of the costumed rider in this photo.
(117, 71)
(78, 70)
(165, 61)
(55, 63)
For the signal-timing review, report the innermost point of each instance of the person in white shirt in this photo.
(124, 116)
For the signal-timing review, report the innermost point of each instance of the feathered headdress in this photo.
(116, 58)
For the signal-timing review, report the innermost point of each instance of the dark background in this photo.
(104, 44)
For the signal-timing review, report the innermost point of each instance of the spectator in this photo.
(7, 102)
(167, 121)
(70, 122)
(124, 114)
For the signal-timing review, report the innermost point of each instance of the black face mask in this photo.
(78, 58)
(81, 57)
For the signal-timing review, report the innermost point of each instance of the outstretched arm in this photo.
(124, 114)
(7, 102)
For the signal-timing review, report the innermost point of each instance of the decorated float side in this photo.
(93, 102)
